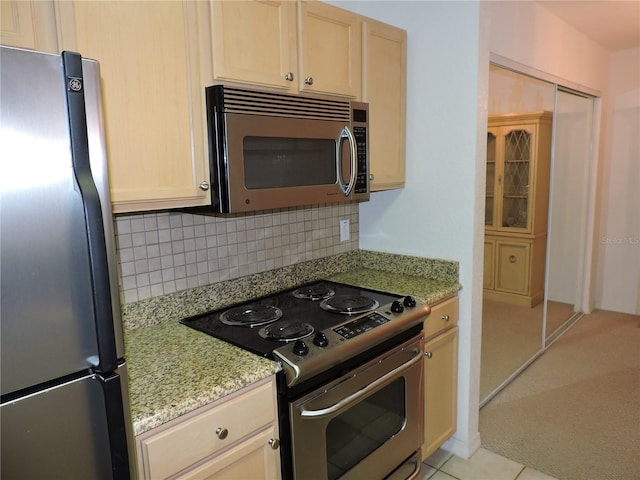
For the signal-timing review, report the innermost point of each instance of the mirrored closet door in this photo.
(538, 140)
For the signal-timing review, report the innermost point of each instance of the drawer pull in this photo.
(274, 443)
(512, 259)
(445, 317)
(222, 433)
(428, 354)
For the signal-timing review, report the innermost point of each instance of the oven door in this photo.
(365, 424)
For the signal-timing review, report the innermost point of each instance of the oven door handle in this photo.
(346, 134)
(363, 391)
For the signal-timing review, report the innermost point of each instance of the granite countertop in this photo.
(174, 370)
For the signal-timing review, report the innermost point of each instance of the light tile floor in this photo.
(483, 465)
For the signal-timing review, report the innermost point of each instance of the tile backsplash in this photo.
(165, 252)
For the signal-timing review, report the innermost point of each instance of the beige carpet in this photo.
(511, 335)
(575, 412)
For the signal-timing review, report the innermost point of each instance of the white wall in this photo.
(439, 212)
(618, 279)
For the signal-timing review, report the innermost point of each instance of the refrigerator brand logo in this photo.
(75, 84)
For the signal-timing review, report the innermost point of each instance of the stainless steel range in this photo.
(350, 390)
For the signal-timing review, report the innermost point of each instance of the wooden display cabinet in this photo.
(517, 205)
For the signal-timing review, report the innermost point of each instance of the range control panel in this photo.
(312, 355)
(361, 325)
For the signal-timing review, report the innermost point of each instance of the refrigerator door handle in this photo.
(107, 357)
(113, 400)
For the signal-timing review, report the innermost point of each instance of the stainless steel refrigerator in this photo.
(64, 409)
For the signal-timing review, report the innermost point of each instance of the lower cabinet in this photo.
(440, 375)
(514, 269)
(234, 437)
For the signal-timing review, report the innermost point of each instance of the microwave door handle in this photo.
(346, 134)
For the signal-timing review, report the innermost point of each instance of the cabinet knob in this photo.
(204, 186)
(512, 259)
(445, 317)
(289, 77)
(274, 443)
(428, 354)
(308, 81)
(371, 177)
(222, 433)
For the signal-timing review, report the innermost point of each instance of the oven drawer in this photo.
(221, 426)
(443, 315)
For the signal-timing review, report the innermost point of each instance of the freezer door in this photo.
(59, 433)
(48, 321)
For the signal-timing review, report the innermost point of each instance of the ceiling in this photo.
(614, 24)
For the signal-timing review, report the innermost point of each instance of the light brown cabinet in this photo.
(517, 200)
(28, 24)
(440, 375)
(308, 47)
(235, 437)
(153, 79)
(384, 88)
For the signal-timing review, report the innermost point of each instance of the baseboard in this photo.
(461, 448)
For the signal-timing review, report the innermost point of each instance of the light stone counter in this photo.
(427, 290)
(174, 370)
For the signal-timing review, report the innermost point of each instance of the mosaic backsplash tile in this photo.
(166, 252)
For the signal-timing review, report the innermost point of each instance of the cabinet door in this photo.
(153, 97)
(441, 380)
(254, 42)
(384, 88)
(28, 24)
(329, 50)
(257, 457)
(518, 154)
(489, 262)
(512, 264)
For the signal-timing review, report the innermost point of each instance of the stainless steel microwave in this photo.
(272, 150)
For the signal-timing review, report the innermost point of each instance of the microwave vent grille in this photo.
(250, 102)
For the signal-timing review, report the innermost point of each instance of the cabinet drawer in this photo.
(192, 440)
(443, 315)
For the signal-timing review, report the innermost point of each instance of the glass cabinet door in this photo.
(490, 206)
(516, 179)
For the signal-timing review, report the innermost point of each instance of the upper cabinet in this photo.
(28, 24)
(153, 78)
(384, 88)
(518, 155)
(156, 58)
(329, 50)
(307, 47)
(255, 42)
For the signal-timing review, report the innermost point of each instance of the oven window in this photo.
(272, 162)
(357, 432)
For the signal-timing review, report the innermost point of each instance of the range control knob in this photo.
(397, 307)
(320, 339)
(409, 302)
(300, 348)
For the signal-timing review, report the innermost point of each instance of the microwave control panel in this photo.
(360, 120)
